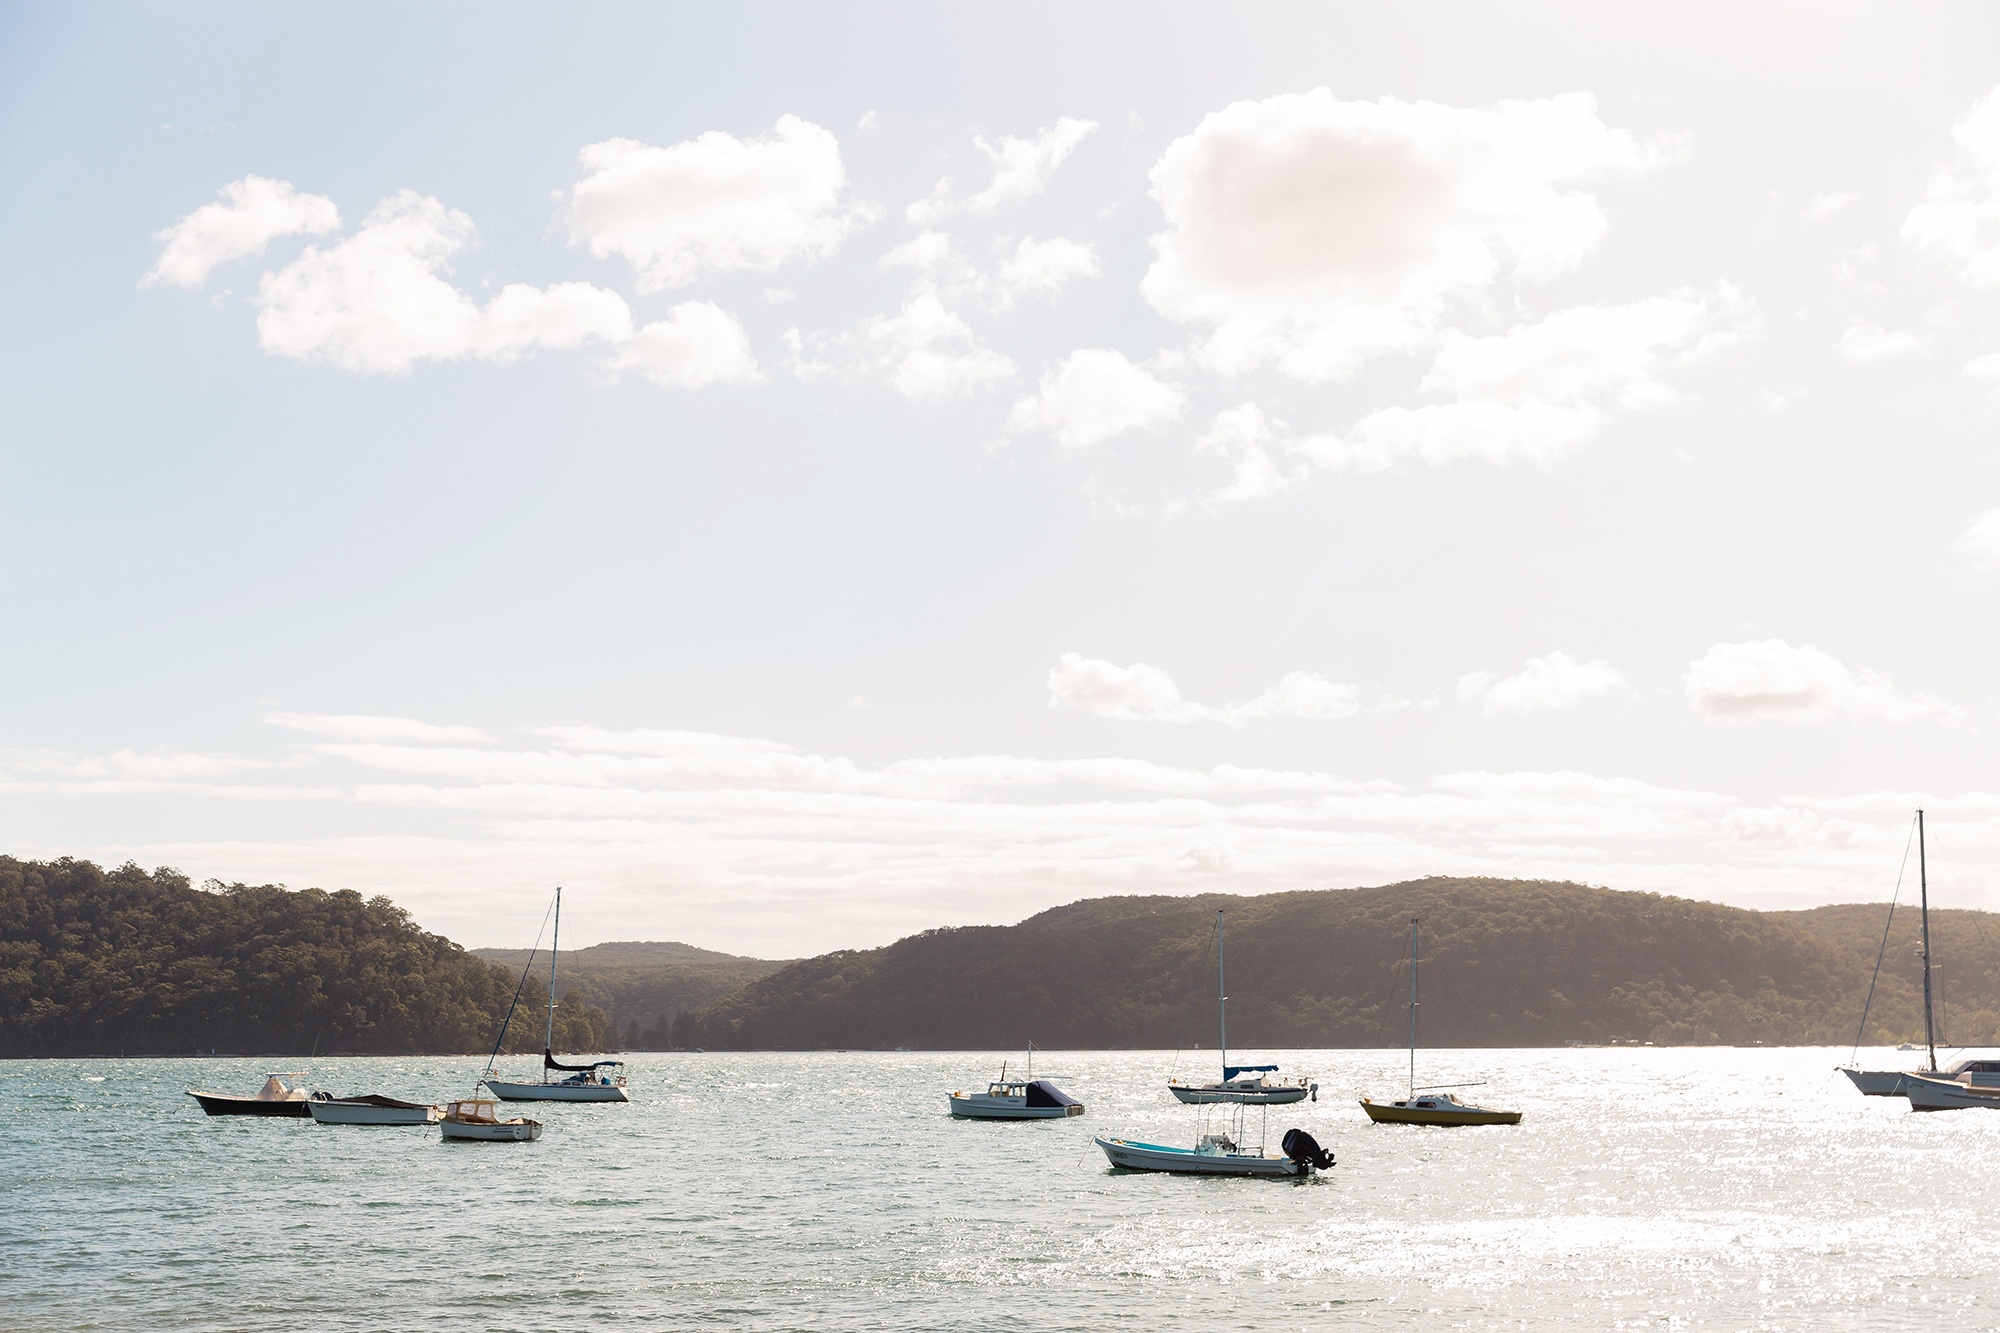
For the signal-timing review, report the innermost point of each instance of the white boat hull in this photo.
(503, 1131)
(1875, 1082)
(979, 1107)
(1187, 1162)
(361, 1113)
(1205, 1094)
(1937, 1094)
(557, 1092)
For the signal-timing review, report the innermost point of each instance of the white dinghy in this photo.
(598, 1081)
(1221, 1150)
(373, 1109)
(1024, 1098)
(474, 1120)
(1242, 1084)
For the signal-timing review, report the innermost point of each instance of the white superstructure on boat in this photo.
(474, 1120)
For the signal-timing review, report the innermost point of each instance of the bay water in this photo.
(1682, 1188)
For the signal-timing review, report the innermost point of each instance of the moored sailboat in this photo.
(1241, 1084)
(585, 1083)
(1437, 1106)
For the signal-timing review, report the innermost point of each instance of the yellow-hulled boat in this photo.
(1435, 1109)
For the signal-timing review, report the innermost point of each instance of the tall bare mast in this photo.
(1923, 882)
(555, 941)
(1413, 1005)
(1221, 995)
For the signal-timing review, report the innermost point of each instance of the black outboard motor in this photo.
(1304, 1149)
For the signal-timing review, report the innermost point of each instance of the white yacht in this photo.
(1241, 1084)
(1023, 1098)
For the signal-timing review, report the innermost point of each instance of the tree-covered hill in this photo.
(122, 961)
(1505, 962)
(642, 984)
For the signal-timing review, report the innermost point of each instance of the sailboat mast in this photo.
(555, 942)
(1923, 882)
(1413, 1006)
(1221, 995)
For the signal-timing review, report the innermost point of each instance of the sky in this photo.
(798, 476)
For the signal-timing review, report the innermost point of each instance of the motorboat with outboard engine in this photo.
(1436, 1106)
(474, 1120)
(1023, 1098)
(1221, 1150)
(274, 1098)
(585, 1083)
(374, 1109)
(1242, 1084)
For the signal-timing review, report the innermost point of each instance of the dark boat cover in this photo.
(1231, 1071)
(549, 1061)
(1044, 1093)
(387, 1103)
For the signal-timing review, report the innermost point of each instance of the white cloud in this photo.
(1770, 680)
(252, 213)
(1042, 268)
(1959, 219)
(367, 727)
(714, 203)
(1021, 169)
(1981, 539)
(1244, 436)
(1143, 692)
(1093, 394)
(1872, 342)
(698, 344)
(1311, 234)
(1827, 204)
(924, 352)
(376, 302)
(1984, 367)
(1555, 681)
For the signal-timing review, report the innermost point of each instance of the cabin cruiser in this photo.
(274, 1098)
(474, 1119)
(1023, 1098)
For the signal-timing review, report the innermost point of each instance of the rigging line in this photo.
(1855, 1056)
(526, 968)
(1187, 1028)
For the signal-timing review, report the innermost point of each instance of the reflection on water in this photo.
(1721, 1189)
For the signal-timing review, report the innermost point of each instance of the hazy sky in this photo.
(801, 475)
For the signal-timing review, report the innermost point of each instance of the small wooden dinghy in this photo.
(274, 1098)
(373, 1109)
(474, 1119)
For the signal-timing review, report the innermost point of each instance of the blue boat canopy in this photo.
(1231, 1071)
(1044, 1093)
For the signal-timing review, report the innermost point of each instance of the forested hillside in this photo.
(1505, 962)
(122, 961)
(644, 984)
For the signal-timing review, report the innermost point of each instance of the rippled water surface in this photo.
(1725, 1189)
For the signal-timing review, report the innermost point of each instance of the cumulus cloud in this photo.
(1093, 394)
(1981, 539)
(1311, 234)
(1021, 168)
(1872, 342)
(924, 352)
(1244, 435)
(368, 727)
(251, 214)
(1555, 681)
(377, 302)
(1033, 268)
(1827, 204)
(696, 345)
(1959, 218)
(1770, 680)
(714, 203)
(1143, 692)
